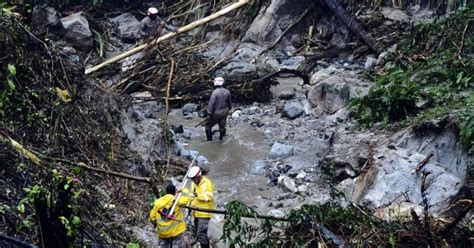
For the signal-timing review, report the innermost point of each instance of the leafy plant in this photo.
(433, 69)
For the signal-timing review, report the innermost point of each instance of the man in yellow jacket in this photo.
(169, 231)
(202, 191)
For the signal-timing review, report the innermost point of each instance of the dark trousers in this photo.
(201, 226)
(175, 242)
(220, 120)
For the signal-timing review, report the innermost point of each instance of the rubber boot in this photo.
(209, 135)
(205, 246)
(222, 134)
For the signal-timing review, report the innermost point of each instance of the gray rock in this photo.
(340, 116)
(236, 114)
(277, 213)
(330, 94)
(287, 183)
(258, 168)
(76, 30)
(322, 74)
(279, 150)
(43, 17)
(370, 63)
(287, 95)
(306, 107)
(394, 177)
(201, 160)
(293, 110)
(294, 63)
(189, 108)
(127, 27)
(395, 14)
(251, 110)
(431, 137)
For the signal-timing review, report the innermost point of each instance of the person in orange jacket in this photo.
(169, 230)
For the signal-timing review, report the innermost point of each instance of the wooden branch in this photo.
(181, 30)
(17, 242)
(422, 163)
(38, 158)
(351, 23)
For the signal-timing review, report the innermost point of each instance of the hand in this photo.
(179, 191)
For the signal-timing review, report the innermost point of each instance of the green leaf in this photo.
(12, 69)
(132, 245)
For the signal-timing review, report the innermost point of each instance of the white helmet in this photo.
(218, 81)
(194, 171)
(152, 11)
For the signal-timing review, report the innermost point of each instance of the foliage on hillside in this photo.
(47, 106)
(431, 76)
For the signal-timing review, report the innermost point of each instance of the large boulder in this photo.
(438, 138)
(44, 17)
(392, 176)
(77, 31)
(333, 93)
(127, 27)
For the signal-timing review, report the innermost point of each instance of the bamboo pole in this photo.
(169, 35)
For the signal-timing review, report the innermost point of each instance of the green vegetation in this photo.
(329, 225)
(431, 76)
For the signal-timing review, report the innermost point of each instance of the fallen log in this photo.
(351, 23)
(181, 30)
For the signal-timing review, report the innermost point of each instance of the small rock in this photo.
(201, 160)
(302, 188)
(287, 183)
(67, 50)
(279, 150)
(370, 63)
(236, 114)
(293, 110)
(258, 168)
(322, 74)
(287, 95)
(293, 63)
(277, 213)
(301, 175)
(251, 110)
(189, 108)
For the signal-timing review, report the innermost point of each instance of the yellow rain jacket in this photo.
(167, 228)
(204, 193)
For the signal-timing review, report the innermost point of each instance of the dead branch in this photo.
(422, 163)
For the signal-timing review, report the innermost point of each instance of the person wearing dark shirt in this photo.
(151, 23)
(218, 109)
